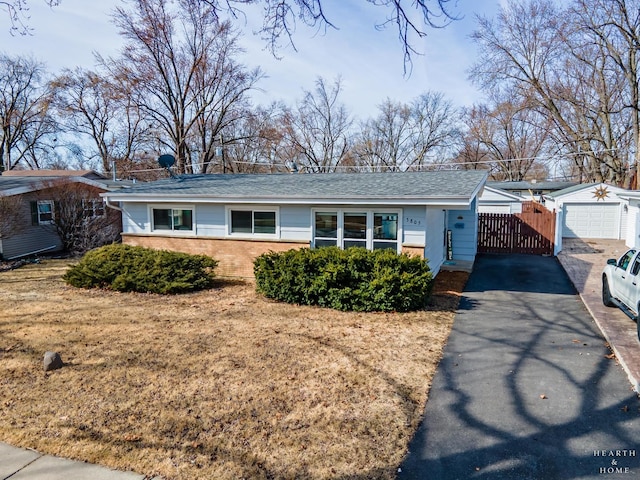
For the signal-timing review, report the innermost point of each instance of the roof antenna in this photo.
(166, 161)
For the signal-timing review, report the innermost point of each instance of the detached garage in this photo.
(590, 211)
(494, 200)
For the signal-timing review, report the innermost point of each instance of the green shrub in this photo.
(352, 279)
(125, 268)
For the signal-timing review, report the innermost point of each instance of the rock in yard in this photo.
(52, 361)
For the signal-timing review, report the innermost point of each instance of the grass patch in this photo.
(215, 384)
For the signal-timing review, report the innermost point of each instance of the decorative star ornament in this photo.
(600, 193)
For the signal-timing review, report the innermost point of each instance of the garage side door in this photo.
(591, 220)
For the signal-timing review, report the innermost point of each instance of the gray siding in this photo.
(464, 233)
(210, 220)
(414, 224)
(435, 250)
(37, 239)
(295, 223)
(135, 218)
(33, 239)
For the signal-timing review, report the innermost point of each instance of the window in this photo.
(172, 219)
(93, 208)
(369, 229)
(636, 266)
(42, 212)
(624, 261)
(355, 230)
(253, 222)
(385, 231)
(326, 229)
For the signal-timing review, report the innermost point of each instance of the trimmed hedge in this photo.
(126, 268)
(354, 279)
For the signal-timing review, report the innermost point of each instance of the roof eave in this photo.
(273, 200)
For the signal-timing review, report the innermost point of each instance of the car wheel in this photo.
(606, 293)
(638, 324)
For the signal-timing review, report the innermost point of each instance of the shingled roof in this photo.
(396, 187)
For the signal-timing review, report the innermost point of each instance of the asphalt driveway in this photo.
(527, 388)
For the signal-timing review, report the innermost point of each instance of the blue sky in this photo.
(369, 61)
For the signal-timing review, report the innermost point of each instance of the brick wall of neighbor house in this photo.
(235, 256)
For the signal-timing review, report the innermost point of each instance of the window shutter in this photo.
(34, 213)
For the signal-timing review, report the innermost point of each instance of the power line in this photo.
(419, 166)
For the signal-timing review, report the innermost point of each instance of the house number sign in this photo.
(412, 221)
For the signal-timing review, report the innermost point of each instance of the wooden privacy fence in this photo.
(532, 231)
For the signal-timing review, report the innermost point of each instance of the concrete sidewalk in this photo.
(584, 260)
(23, 464)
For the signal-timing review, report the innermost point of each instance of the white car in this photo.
(621, 284)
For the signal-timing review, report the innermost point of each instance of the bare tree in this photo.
(545, 54)
(94, 106)
(181, 64)
(611, 30)
(384, 141)
(11, 215)
(404, 136)
(317, 130)
(412, 19)
(253, 145)
(18, 12)
(25, 117)
(437, 125)
(80, 218)
(507, 137)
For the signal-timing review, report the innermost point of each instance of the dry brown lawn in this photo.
(219, 384)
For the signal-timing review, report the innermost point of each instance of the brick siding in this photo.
(412, 250)
(235, 256)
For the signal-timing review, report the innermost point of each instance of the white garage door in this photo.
(591, 220)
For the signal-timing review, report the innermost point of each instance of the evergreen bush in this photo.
(126, 268)
(353, 279)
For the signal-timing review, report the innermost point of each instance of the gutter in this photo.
(111, 205)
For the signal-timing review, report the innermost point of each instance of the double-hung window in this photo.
(371, 229)
(172, 219)
(252, 222)
(42, 212)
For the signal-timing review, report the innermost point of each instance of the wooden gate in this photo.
(532, 231)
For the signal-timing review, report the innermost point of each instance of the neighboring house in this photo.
(235, 218)
(590, 210)
(494, 200)
(632, 233)
(28, 228)
(89, 174)
(531, 190)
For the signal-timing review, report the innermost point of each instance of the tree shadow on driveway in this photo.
(527, 388)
